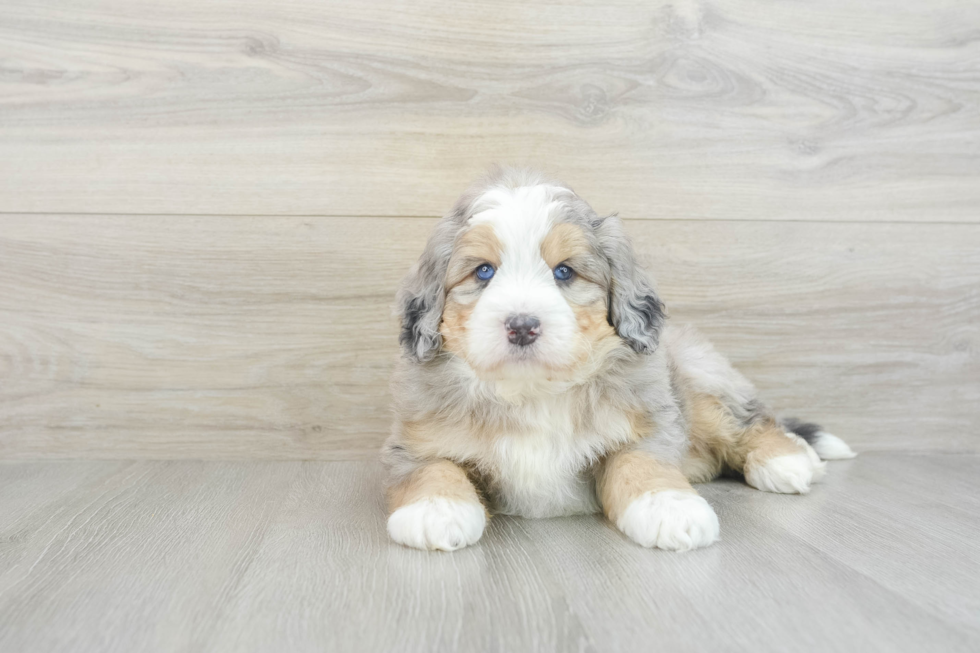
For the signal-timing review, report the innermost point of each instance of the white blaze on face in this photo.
(521, 218)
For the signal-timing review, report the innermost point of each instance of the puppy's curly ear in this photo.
(635, 311)
(422, 295)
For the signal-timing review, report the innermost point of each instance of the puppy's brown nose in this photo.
(522, 329)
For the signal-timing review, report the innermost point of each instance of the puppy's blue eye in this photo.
(563, 272)
(484, 272)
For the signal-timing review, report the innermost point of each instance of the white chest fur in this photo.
(546, 469)
(542, 475)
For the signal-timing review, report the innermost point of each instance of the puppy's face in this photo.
(526, 287)
(523, 280)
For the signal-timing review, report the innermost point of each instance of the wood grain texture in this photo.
(750, 109)
(224, 556)
(212, 337)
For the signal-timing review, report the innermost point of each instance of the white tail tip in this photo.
(831, 447)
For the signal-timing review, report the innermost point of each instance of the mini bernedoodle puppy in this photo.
(538, 379)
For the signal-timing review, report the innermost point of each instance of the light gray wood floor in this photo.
(293, 556)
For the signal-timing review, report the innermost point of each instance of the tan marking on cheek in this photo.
(563, 242)
(595, 340)
(455, 317)
(628, 475)
(442, 478)
(592, 322)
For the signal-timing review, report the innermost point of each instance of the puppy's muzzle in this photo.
(522, 329)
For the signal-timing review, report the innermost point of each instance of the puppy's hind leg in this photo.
(773, 460)
(746, 438)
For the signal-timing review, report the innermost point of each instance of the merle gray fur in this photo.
(648, 374)
(806, 430)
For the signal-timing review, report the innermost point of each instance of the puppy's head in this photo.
(523, 278)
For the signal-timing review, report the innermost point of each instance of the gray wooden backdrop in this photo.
(205, 207)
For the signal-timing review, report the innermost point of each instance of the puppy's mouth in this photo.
(533, 359)
(522, 353)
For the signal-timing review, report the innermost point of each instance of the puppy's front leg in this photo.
(435, 507)
(653, 503)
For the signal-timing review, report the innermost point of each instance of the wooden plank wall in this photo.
(205, 208)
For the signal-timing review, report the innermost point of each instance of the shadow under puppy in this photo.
(538, 379)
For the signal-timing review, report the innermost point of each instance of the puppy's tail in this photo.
(827, 446)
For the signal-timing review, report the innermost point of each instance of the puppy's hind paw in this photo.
(788, 474)
(670, 519)
(438, 523)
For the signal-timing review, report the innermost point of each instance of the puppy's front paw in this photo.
(789, 474)
(670, 519)
(437, 523)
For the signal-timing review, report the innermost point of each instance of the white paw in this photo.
(789, 474)
(670, 519)
(820, 467)
(442, 524)
(831, 447)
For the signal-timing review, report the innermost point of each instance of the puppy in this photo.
(538, 379)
